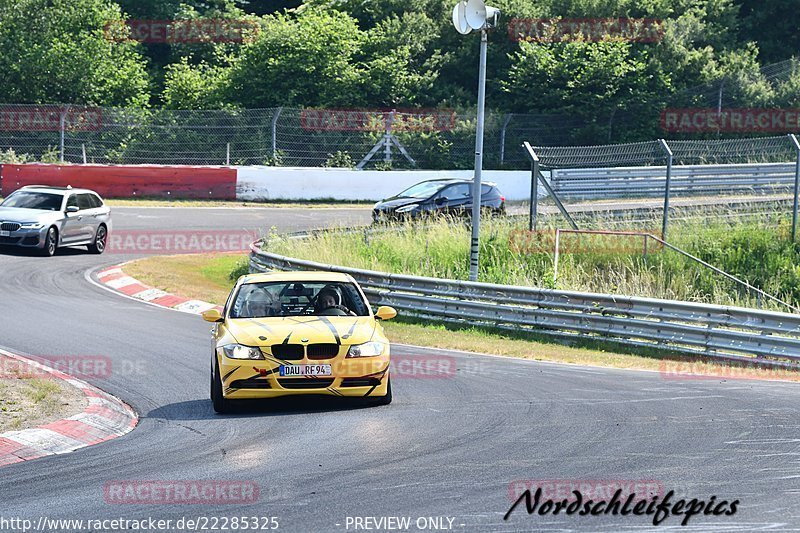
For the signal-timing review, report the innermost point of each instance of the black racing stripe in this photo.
(286, 340)
(380, 373)
(226, 376)
(350, 331)
(332, 328)
(336, 392)
(273, 359)
(376, 386)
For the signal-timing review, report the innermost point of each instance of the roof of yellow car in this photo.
(313, 275)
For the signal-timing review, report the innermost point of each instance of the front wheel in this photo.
(100, 238)
(221, 405)
(50, 243)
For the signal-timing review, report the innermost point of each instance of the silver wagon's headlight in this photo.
(238, 351)
(368, 349)
(406, 208)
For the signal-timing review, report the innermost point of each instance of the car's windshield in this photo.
(33, 200)
(291, 298)
(426, 189)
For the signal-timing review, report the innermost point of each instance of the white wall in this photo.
(293, 183)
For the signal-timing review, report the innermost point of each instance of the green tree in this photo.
(308, 60)
(57, 51)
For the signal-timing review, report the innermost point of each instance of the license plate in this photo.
(305, 370)
(5, 233)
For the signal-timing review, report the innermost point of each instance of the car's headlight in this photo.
(32, 225)
(406, 208)
(237, 351)
(368, 349)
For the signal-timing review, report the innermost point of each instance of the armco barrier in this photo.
(217, 183)
(732, 333)
(620, 182)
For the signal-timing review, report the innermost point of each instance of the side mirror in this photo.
(73, 209)
(441, 200)
(385, 312)
(212, 315)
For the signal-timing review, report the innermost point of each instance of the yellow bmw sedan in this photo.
(293, 333)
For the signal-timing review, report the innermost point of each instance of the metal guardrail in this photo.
(596, 183)
(731, 333)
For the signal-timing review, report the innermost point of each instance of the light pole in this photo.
(467, 16)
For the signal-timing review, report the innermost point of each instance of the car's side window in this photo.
(456, 192)
(96, 200)
(85, 201)
(73, 201)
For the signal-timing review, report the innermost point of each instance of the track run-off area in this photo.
(448, 453)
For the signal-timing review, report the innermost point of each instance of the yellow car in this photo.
(293, 333)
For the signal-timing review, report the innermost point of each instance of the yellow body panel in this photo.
(257, 378)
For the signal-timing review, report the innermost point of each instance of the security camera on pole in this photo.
(471, 15)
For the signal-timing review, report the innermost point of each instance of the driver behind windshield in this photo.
(329, 303)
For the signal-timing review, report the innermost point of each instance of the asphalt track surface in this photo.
(447, 446)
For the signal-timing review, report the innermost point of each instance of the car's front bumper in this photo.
(351, 377)
(26, 238)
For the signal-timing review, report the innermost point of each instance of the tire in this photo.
(383, 400)
(50, 243)
(100, 240)
(221, 405)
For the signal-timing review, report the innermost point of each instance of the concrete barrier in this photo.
(292, 183)
(244, 183)
(125, 181)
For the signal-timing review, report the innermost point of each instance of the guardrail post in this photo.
(665, 220)
(796, 143)
(228, 154)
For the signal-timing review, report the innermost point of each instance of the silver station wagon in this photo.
(46, 218)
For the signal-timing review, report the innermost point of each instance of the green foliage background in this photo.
(403, 54)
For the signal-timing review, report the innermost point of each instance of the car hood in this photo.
(395, 202)
(18, 214)
(302, 329)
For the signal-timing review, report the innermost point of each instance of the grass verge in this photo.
(27, 402)
(757, 249)
(205, 277)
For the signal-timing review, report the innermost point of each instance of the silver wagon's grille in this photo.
(10, 226)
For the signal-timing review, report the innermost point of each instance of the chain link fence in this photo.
(427, 139)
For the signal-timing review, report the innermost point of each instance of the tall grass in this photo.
(756, 249)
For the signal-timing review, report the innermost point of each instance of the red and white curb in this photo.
(104, 418)
(115, 278)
